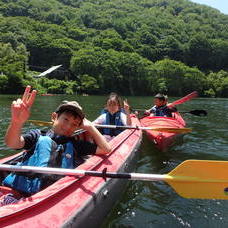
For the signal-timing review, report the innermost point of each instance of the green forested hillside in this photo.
(135, 47)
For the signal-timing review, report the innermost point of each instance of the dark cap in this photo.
(71, 106)
(161, 96)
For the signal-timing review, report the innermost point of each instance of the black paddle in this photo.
(196, 112)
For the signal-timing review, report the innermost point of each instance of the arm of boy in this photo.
(102, 145)
(20, 112)
(147, 112)
(151, 111)
(171, 107)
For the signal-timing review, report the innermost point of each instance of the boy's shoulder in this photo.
(31, 138)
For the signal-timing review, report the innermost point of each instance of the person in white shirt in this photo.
(114, 114)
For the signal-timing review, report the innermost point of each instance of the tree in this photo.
(217, 84)
(13, 66)
(88, 84)
(179, 78)
(200, 51)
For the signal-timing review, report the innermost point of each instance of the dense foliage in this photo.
(136, 47)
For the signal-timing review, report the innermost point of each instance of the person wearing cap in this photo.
(54, 148)
(160, 107)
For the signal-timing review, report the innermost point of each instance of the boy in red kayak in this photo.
(160, 107)
(55, 148)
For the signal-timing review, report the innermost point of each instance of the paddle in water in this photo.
(202, 179)
(196, 112)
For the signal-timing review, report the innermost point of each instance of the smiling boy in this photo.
(55, 148)
(160, 107)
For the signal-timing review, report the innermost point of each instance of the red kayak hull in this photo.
(163, 140)
(74, 201)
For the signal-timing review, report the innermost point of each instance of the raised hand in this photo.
(20, 108)
(127, 111)
(86, 124)
(126, 106)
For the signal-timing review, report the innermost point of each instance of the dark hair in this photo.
(71, 107)
(115, 96)
(161, 97)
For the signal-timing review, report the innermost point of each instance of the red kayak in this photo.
(76, 201)
(163, 140)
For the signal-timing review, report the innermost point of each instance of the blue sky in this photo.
(221, 5)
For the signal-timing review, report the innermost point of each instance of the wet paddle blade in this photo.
(198, 112)
(201, 179)
(173, 130)
(40, 123)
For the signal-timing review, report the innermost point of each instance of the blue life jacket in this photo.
(106, 111)
(161, 111)
(46, 154)
(110, 119)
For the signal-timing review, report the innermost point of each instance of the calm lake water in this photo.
(153, 204)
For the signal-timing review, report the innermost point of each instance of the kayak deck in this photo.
(163, 140)
(77, 201)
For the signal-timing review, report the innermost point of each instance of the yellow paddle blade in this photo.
(202, 179)
(172, 130)
(40, 123)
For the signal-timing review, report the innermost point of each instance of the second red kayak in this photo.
(163, 140)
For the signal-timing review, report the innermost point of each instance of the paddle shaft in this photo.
(179, 174)
(122, 127)
(184, 99)
(161, 129)
(76, 172)
(45, 123)
(201, 179)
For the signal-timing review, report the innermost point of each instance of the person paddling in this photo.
(114, 114)
(54, 148)
(160, 107)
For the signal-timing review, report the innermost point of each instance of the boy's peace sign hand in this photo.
(20, 109)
